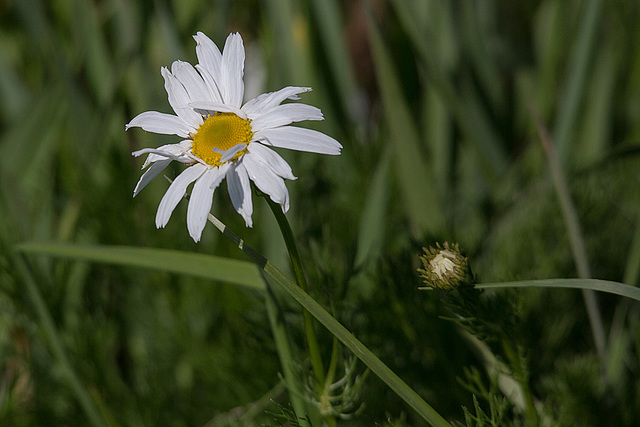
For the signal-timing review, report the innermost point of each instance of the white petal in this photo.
(272, 159)
(299, 139)
(209, 56)
(285, 114)
(240, 191)
(179, 99)
(208, 107)
(175, 192)
(269, 100)
(228, 155)
(232, 71)
(192, 81)
(211, 83)
(162, 153)
(178, 150)
(166, 124)
(201, 200)
(267, 181)
(149, 174)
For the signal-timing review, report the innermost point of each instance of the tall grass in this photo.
(435, 103)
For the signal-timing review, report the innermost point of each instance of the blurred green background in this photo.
(434, 102)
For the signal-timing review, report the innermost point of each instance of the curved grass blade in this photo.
(589, 284)
(226, 270)
(352, 343)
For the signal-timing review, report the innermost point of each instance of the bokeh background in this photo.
(435, 104)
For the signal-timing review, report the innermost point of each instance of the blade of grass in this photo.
(97, 56)
(632, 270)
(576, 78)
(585, 284)
(352, 343)
(473, 121)
(207, 266)
(281, 339)
(46, 322)
(482, 59)
(576, 240)
(293, 65)
(373, 220)
(597, 119)
(328, 17)
(417, 185)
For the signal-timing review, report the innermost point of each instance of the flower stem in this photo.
(301, 280)
(284, 351)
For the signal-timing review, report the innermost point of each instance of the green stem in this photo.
(352, 343)
(301, 280)
(281, 339)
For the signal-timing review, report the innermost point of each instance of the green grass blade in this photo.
(416, 183)
(49, 330)
(481, 57)
(466, 106)
(290, 57)
(576, 78)
(373, 224)
(357, 348)
(632, 270)
(287, 361)
(327, 13)
(207, 266)
(352, 343)
(588, 284)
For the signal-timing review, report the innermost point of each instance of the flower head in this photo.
(444, 267)
(223, 138)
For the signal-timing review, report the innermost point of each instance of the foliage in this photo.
(434, 103)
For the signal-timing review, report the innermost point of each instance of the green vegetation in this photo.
(509, 127)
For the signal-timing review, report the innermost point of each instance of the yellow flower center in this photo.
(219, 133)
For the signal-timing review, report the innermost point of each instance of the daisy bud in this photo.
(444, 267)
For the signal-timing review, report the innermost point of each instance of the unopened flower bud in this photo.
(444, 267)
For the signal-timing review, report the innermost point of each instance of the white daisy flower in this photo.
(222, 137)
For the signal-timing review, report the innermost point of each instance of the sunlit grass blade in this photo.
(415, 180)
(206, 266)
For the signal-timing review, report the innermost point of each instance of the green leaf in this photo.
(207, 266)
